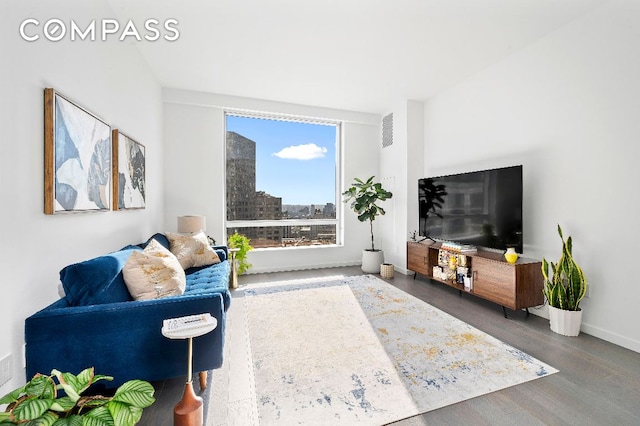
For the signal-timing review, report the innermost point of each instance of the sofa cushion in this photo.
(210, 279)
(98, 280)
(153, 273)
(192, 250)
(161, 238)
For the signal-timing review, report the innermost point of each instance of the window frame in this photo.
(258, 223)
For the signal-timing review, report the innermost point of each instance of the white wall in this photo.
(195, 171)
(112, 81)
(567, 108)
(401, 166)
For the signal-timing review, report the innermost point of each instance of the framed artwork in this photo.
(129, 185)
(77, 157)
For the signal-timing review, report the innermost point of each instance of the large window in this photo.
(281, 180)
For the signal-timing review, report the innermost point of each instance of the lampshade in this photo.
(191, 224)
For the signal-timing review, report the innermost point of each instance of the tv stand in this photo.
(514, 286)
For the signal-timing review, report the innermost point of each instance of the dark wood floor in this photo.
(598, 382)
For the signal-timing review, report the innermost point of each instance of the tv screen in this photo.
(481, 208)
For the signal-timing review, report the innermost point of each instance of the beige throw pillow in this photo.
(153, 273)
(192, 250)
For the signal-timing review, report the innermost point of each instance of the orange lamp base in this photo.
(188, 412)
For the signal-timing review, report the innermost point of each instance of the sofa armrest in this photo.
(122, 340)
(224, 249)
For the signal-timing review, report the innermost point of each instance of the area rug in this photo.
(357, 350)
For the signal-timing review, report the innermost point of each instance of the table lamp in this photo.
(191, 224)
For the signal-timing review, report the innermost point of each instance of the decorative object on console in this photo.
(468, 283)
(191, 224)
(564, 290)
(39, 401)
(511, 256)
(365, 195)
(453, 262)
(77, 157)
(129, 184)
(153, 273)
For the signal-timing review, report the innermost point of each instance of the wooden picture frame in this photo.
(129, 181)
(77, 157)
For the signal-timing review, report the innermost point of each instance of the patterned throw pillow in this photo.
(192, 250)
(153, 273)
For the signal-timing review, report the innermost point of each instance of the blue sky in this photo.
(295, 161)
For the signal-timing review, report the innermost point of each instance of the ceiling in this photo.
(360, 55)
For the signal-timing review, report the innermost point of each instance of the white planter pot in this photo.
(564, 322)
(371, 261)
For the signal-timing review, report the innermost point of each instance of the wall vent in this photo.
(387, 130)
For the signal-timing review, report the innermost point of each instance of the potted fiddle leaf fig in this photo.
(58, 400)
(364, 197)
(564, 290)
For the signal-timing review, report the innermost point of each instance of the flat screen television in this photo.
(480, 208)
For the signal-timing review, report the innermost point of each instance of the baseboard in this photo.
(594, 331)
(609, 336)
(268, 269)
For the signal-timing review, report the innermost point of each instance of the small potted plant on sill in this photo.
(40, 402)
(364, 197)
(564, 290)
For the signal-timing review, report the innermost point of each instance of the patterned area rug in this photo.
(357, 350)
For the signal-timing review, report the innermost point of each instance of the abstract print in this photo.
(82, 159)
(131, 173)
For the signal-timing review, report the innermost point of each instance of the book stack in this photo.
(466, 248)
(449, 246)
(458, 248)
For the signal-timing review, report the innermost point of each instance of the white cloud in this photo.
(307, 151)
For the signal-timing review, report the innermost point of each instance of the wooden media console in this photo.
(514, 286)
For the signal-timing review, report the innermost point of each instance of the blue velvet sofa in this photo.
(98, 324)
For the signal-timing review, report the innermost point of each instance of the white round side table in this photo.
(188, 412)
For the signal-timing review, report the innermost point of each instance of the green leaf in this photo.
(63, 404)
(567, 286)
(4, 418)
(68, 382)
(89, 402)
(31, 409)
(12, 396)
(137, 393)
(100, 416)
(69, 421)
(48, 419)
(124, 414)
(41, 386)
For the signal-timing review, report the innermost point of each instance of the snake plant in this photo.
(567, 285)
